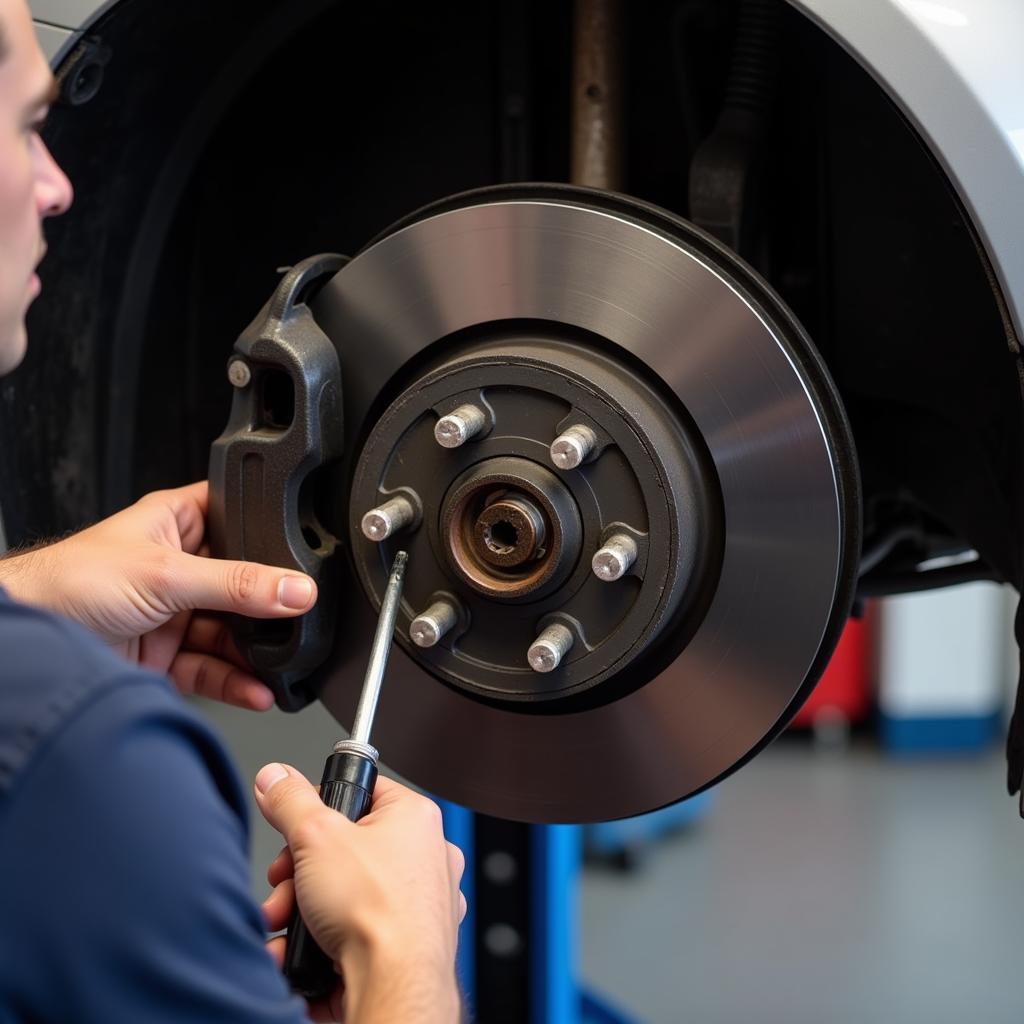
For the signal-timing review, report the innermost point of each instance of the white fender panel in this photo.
(64, 13)
(954, 68)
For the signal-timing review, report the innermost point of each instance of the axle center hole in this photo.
(501, 537)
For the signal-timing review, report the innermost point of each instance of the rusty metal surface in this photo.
(597, 137)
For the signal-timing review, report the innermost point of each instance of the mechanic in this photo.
(123, 832)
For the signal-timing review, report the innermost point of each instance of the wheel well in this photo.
(217, 150)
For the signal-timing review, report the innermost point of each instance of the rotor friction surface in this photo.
(655, 292)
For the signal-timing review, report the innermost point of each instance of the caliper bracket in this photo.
(286, 422)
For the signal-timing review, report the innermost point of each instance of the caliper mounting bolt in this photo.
(571, 448)
(548, 650)
(455, 429)
(380, 523)
(613, 560)
(428, 627)
(239, 373)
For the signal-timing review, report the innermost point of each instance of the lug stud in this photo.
(568, 450)
(613, 561)
(548, 650)
(428, 627)
(380, 523)
(458, 427)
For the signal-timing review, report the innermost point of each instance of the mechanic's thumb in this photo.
(248, 588)
(286, 798)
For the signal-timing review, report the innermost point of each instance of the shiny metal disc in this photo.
(765, 407)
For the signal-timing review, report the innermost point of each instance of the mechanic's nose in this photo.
(54, 193)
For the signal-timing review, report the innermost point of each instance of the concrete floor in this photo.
(825, 887)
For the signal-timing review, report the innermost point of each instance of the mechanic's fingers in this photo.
(199, 492)
(277, 907)
(456, 867)
(328, 1011)
(247, 588)
(281, 867)
(276, 947)
(189, 507)
(389, 793)
(332, 1008)
(456, 862)
(287, 800)
(324, 1010)
(158, 648)
(210, 677)
(211, 634)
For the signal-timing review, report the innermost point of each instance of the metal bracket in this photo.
(286, 422)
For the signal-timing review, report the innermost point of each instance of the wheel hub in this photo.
(508, 526)
(513, 535)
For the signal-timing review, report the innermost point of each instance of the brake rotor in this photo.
(715, 481)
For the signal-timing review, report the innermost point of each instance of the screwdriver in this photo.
(347, 786)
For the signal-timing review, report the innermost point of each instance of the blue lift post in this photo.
(518, 947)
(556, 853)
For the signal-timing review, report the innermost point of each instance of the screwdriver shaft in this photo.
(367, 706)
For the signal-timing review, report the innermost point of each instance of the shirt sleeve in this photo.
(125, 877)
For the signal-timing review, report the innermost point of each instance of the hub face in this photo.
(511, 535)
(510, 529)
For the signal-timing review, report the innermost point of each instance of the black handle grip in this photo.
(347, 787)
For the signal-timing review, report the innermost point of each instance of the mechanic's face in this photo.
(32, 186)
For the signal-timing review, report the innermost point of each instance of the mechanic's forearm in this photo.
(383, 986)
(26, 573)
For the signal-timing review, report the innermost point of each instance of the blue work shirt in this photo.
(124, 890)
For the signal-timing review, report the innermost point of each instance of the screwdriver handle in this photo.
(347, 787)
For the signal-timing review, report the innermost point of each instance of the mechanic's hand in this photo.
(135, 579)
(380, 896)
